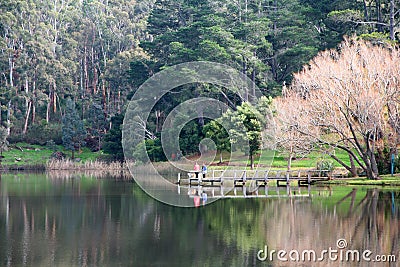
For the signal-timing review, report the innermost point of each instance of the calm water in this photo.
(82, 221)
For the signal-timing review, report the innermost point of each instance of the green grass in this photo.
(280, 159)
(35, 155)
(386, 180)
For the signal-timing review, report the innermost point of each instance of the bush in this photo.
(50, 144)
(325, 166)
(58, 155)
(39, 134)
(92, 142)
(112, 143)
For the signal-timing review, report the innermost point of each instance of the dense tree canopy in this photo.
(99, 52)
(73, 132)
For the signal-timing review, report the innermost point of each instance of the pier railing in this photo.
(240, 177)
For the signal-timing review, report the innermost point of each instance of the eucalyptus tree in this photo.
(36, 69)
(294, 39)
(107, 29)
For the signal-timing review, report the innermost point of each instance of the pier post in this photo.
(179, 178)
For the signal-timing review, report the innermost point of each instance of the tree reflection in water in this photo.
(83, 221)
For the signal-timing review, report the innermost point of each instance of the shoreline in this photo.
(116, 166)
(67, 165)
(358, 181)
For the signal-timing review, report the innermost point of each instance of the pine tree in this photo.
(73, 132)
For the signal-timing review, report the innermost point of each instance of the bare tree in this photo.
(291, 121)
(352, 98)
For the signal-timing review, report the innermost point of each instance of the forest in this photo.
(77, 63)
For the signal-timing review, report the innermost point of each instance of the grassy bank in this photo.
(386, 180)
(280, 159)
(22, 156)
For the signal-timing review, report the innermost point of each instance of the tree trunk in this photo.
(48, 111)
(9, 118)
(33, 114)
(391, 26)
(379, 15)
(200, 115)
(220, 156)
(251, 160)
(54, 100)
(94, 81)
(28, 113)
(371, 168)
(34, 101)
(370, 160)
(246, 90)
(289, 161)
(119, 102)
(374, 166)
(275, 11)
(240, 10)
(11, 66)
(253, 78)
(104, 97)
(85, 69)
(245, 10)
(366, 18)
(353, 169)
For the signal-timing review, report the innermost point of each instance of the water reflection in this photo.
(104, 222)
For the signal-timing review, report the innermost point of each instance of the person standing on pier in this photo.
(204, 170)
(196, 169)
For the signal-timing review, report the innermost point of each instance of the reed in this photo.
(88, 165)
(98, 174)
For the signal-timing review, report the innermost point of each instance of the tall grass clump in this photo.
(68, 164)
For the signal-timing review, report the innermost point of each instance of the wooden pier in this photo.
(256, 177)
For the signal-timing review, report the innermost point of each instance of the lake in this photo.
(76, 220)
